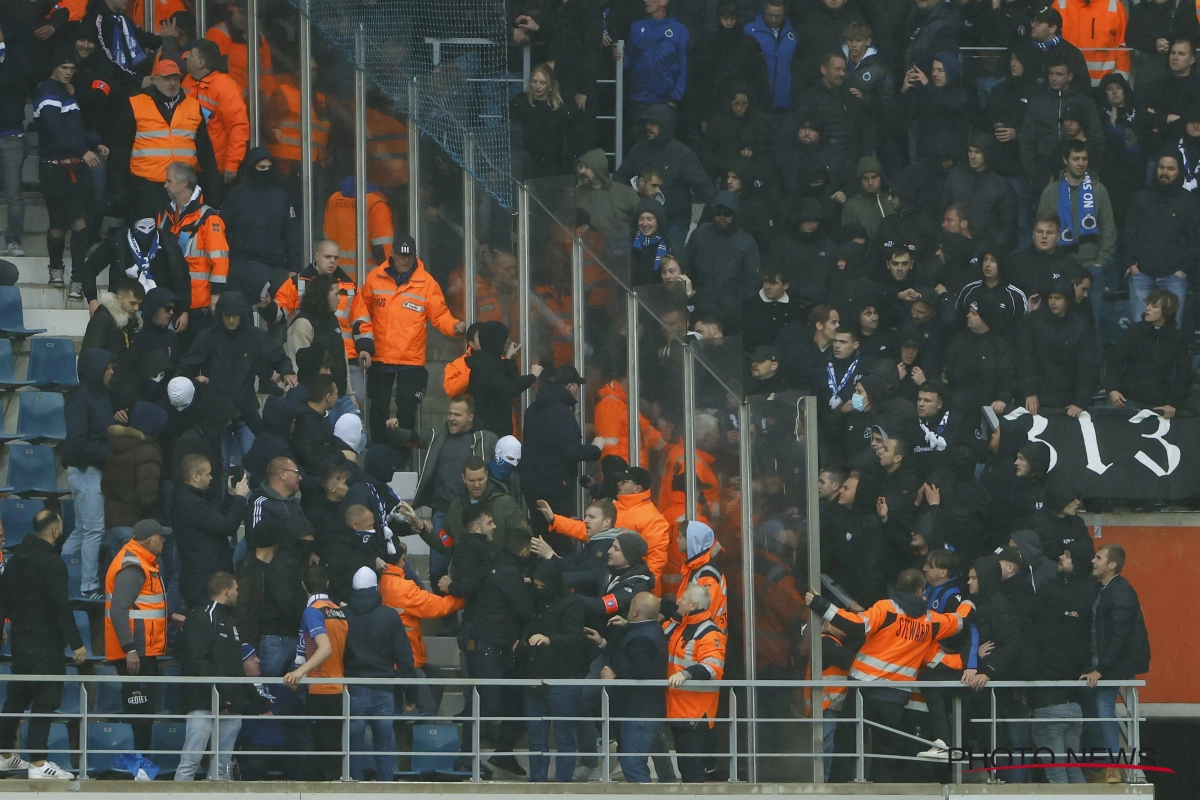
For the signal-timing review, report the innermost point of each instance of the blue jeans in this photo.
(234, 446)
(117, 537)
(1140, 286)
(828, 734)
(638, 737)
(559, 703)
(89, 524)
(372, 701)
(1059, 737)
(1106, 708)
(277, 654)
(12, 161)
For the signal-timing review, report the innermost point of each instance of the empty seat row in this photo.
(51, 364)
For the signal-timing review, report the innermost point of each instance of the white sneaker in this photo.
(13, 763)
(15, 249)
(49, 771)
(939, 752)
(582, 771)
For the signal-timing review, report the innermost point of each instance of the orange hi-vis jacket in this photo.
(225, 113)
(158, 143)
(237, 54)
(778, 612)
(696, 645)
(487, 304)
(675, 466)
(201, 234)
(635, 512)
(612, 423)
(292, 292)
(336, 627)
(1098, 29)
(897, 645)
(163, 10)
(341, 225)
(553, 315)
(283, 122)
(77, 10)
(676, 512)
(456, 378)
(703, 571)
(836, 658)
(148, 614)
(387, 150)
(414, 604)
(389, 318)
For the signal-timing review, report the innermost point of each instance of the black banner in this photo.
(1115, 453)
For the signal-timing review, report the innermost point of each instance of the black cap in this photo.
(406, 246)
(910, 335)
(638, 475)
(566, 374)
(764, 352)
(1048, 15)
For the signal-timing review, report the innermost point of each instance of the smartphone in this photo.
(236, 473)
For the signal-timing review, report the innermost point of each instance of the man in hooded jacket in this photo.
(988, 196)
(684, 178)
(140, 253)
(723, 260)
(609, 203)
(1057, 356)
(496, 381)
(262, 227)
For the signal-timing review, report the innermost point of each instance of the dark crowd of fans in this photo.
(913, 211)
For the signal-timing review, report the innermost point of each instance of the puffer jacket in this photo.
(132, 478)
(779, 51)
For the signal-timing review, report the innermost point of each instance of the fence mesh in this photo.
(456, 55)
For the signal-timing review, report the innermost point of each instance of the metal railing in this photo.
(739, 723)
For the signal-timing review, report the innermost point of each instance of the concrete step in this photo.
(69, 323)
(37, 219)
(35, 270)
(44, 296)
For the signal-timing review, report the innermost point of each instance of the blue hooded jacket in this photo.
(656, 53)
(778, 51)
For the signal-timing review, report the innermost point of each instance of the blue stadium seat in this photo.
(106, 741)
(52, 363)
(41, 418)
(67, 510)
(431, 739)
(8, 375)
(17, 515)
(108, 694)
(58, 744)
(12, 315)
(32, 471)
(172, 702)
(84, 624)
(74, 576)
(167, 736)
(70, 698)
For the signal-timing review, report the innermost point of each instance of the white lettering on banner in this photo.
(1091, 445)
(1173, 452)
(1039, 426)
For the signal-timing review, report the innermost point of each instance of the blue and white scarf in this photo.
(1084, 220)
(641, 242)
(1044, 46)
(140, 270)
(123, 50)
(836, 386)
(1189, 169)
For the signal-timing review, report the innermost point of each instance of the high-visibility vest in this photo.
(832, 696)
(341, 225)
(696, 641)
(456, 378)
(703, 571)
(672, 577)
(237, 54)
(1098, 29)
(674, 466)
(77, 10)
(635, 512)
(414, 604)
(225, 112)
(292, 292)
(201, 234)
(336, 627)
(283, 123)
(157, 144)
(147, 615)
(391, 318)
(387, 150)
(555, 310)
(777, 607)
(612, 424)
(487, 303)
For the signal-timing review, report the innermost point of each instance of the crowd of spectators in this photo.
(911, 231)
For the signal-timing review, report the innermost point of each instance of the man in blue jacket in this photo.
(775, 35)
(656, 55)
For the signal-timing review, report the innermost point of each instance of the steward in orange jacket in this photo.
(1097, 28)
(288, 298)
(674, 468)
(779, 612)
(414, 604)
(487, 304)
(224, 108)
(695, 660)
(635, 512)
(201, 235)
(231, 38)
(612, 423)
(702, 549)
(283, 123)
(163, 11)
(341, 226)
(135, 611)
(387, 150)
(676, 514)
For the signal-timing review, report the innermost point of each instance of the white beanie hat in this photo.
(365, 578)
(349, 429)
(181, 391)
(509, 449)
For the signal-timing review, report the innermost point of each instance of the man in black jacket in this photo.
(202, 532)
(33, 592)
(1032, 269)
(283, 598)
(264, 228)
(312, 440)
(979, 363)
(608, 593)
(377, 646)
(1120, 644)
(210, 647)
(85, 451)
(277, 498)
(1151, 366)
(141, 253)
(989, 197)
(846, 124)
(1059, 362)
(553, 446)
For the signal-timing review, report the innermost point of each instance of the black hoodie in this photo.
(263, 223)
(559, 615)
(997, 622)
(495, 381)
(377, 645)
(683, 174)
(553, 446)
(89, 413)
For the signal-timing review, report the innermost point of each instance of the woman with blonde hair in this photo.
(544, 126)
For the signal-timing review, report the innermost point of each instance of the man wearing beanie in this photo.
(608, 595)
(1057, 355)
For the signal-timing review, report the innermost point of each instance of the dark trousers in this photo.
(690, 737)
(940, 701)
(491, 661)
(40, 697)
(409, 384)
(884, 770)
(136, 699)
(327, 734)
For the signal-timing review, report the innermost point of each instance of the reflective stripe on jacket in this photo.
(224, 111)
(157, 144)
(389, 319)
(148, 614)
(341, 225)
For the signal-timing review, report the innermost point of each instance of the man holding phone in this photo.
(204, 533)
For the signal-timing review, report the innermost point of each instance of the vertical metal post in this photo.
(414, 163)
(362, 246)
(605, 737)
(469, 234)
(749, 636)
(689, 429)
(860, 736)
(255, 71)
(619, 139)
(201, 19)
(345, 732)
(579, 337)
(807, 409)
(733, 748)
(215, 763)
(633, 389)
(524, 281)
(525, 68)
(306, 142)
(83, 730)
(958, 735)
(148, 17)
(475, 746)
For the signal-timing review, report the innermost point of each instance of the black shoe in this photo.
(508, 764)
(463, 764)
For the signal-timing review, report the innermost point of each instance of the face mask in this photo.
(858, 402)
(501, 469)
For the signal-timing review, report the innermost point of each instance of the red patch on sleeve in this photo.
(445, 538)
(610, 603)
(102, 86)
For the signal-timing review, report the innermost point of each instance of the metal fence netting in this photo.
(457, 58)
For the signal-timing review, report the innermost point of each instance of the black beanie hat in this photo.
(633, 546)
